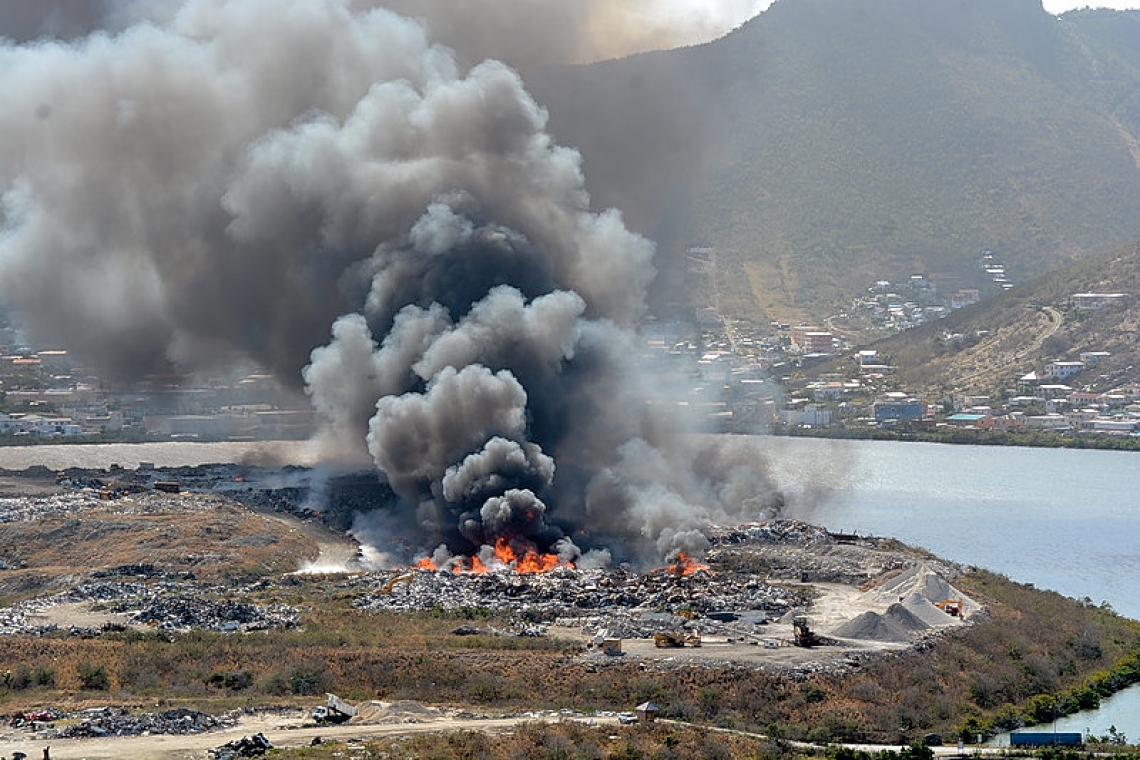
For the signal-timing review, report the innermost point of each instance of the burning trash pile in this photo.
(166, 605)
(628, 600)
(738, 593)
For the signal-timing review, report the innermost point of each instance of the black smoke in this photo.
(327, 192)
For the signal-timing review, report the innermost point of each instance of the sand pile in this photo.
(919, 589)
(400, 711)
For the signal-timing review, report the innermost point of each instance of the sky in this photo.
(546, 31)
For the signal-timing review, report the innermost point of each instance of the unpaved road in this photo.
(281, 731)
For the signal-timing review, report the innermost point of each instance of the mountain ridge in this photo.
(824, 144)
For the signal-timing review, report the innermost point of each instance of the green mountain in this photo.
(829, 143)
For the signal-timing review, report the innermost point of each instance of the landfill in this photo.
(175, 606)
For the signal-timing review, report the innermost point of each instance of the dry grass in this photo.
(209, 536)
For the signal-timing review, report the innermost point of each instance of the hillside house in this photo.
(966, 420)
(1094, 357)
(1116, 425)
(1047, 422)
(1061, 370)
(886, 410)
(1096, 301)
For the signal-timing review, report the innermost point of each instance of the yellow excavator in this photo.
(406, 578)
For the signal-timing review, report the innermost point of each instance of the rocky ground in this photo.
(97, 551)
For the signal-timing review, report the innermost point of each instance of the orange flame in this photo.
(530, 561)
(524, 560)
(683, 564)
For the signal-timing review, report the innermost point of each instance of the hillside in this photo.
(986, 347)
(826, 144)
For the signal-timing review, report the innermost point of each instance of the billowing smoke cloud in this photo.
(326, 192)
(543, 32)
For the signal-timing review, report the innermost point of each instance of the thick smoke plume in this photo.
(328, 193)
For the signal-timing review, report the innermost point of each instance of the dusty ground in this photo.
(281, 730)
(883, 588)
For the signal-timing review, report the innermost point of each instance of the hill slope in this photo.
(826, 144)
(984, 348)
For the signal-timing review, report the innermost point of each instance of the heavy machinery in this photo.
(804, 636)
(672, 639)
(952, 607)
(406, 578)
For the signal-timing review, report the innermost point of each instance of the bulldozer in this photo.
(673, 639)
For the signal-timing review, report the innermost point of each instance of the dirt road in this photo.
(281, 731)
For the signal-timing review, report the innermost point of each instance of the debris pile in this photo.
(112, 721)
(165, 605)
(182, 612)
(567, 592)
(805, 553)
(26, 508)
(247, 746)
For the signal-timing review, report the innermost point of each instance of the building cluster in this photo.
(45, 394)
(731, 389)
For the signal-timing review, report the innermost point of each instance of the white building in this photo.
(1063, 370)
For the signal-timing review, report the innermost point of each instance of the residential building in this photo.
(1096, 301)
(1060, 370)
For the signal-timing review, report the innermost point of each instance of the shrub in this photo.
(306, 681)
(44, 676)
(92, 677)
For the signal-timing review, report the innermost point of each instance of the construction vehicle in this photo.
(673, 639)
(952, 607)
(804, 636)
(406, 578)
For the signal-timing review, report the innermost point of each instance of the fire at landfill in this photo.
(388, 229)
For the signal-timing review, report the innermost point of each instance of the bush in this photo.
(307, 681)
(92, 677)
(44, 676)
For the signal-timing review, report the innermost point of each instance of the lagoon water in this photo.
(1061, 519)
